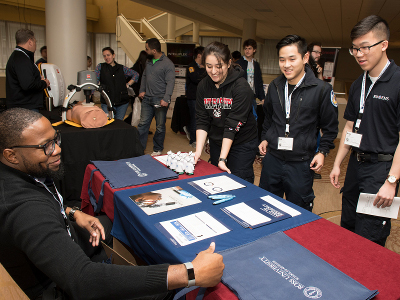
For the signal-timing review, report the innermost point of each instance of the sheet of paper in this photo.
(158, 201)
(281, 206)
(216, 185)
(162, 159)
(193, 228)
(247, 214)
(365, 206)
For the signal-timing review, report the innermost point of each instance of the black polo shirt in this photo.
(380, 124)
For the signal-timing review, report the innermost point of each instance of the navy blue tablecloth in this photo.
(136, 229)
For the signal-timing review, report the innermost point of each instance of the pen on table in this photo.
(222, 201)
(221, 197)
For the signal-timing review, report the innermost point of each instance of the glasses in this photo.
(318, 52)
(48, 148)
(363, 50)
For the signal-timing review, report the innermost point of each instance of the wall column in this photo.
(196, 29)
(66, 38)
(249, 29)
(171, 27)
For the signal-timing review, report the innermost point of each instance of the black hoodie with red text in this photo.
(226, 112)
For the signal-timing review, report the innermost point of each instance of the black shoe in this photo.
(317, 176)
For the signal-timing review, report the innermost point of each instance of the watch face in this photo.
(392, 179)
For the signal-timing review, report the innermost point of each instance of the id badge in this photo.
(285, 143)
(353, 139)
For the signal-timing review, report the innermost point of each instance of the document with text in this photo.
(365, 206)
(259, 212)
(192, 228)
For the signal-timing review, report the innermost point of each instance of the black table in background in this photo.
(80, 145)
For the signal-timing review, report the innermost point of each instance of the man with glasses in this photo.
(314, 49)
(371, 131)
(44, 241)
(24, 84)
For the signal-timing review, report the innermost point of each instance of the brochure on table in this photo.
(259, 212)
(365, 205)
(192, 228)
(158, 201)
(216, 185)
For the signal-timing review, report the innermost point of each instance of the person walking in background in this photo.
(89, 62)
(112, 77)
(224, 114)
(194, 73)
(139, 66)
(156, 88)
(252, 71)
(314, 51)
(43, 53)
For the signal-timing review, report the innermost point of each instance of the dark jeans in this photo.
(192, 125)
(146, 116)
(364, 177)
(292, 178)
(240, 158)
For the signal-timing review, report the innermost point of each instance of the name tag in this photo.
(353, 139)
(285, 143)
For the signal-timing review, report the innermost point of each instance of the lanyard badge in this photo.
(286, 142)
(354, 138)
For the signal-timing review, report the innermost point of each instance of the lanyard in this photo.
(17, 49)
(59, 200)
(288, 102)
(363, 97)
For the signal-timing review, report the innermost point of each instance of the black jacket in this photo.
(258, 81)
(35, 246)
(194, 74)
(113, 81)
(313, 107)
(24, 86)
(226, 112)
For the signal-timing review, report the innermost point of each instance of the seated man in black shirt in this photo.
(40, 244)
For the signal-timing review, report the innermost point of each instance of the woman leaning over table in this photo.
(224, 114)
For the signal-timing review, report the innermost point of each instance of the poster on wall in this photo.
(329, 62)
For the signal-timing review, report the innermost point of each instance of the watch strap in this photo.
(72, 212)
(396, 179)
(190, 272)
(223, 159)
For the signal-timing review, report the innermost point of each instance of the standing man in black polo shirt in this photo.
(296, 107)
(194, 73)
(371, 131)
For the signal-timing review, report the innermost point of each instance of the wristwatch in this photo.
(392, 179)
(223, 159)
(72, 212)
(190, 272)
(323, 153)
